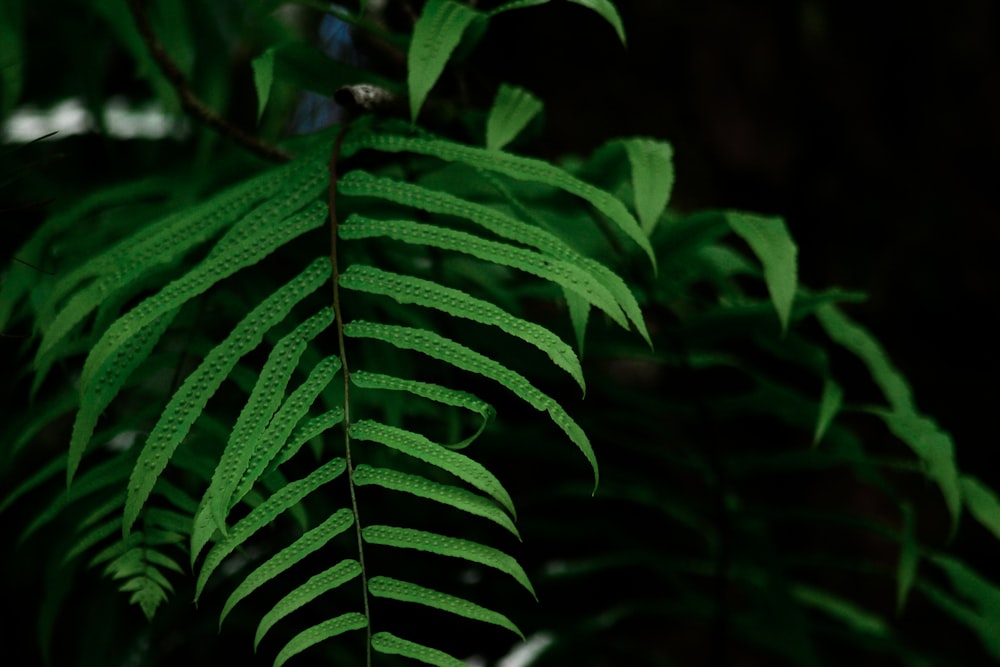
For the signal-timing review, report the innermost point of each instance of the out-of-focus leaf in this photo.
(770, 241)
(512, 110)
(263, 78)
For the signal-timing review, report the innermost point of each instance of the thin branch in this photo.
(190, 102)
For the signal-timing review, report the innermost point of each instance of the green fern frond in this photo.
(446, 494)
(439, 347)
(258, 411)
(303, 433)
(314, 539)
(443, 545)
(190, 399)
(394, 589)
(432, 392)
(419, 447)
(264, 514)
(514, 166)
(409, 289)
(318, 584)
(321, 632)
(553, 270)
(390, 644)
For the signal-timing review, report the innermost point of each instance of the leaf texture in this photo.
(558, 271)
(419, 447)
(258, 411)
(394, 589)
(453, 496)
(439, 347)
(319, 632)
(264, 514)
(454, 547)
(190, 399)
(408, 289)
(308, 543)
(390, 644)
(652, 178)
(433, 392)
(436, 35)
(318, 584)
(517, 167)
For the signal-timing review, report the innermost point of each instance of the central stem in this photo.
(339, 319)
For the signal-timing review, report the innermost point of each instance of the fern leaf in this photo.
(408, 289)
(512, 110)
(652, 178)
(558, 271)
(443, 349)
(188, 402)
(982, 503)
(419, 447)
(446, 494)
(363, 184)
(608, 12)
(770, 241)
(829, 405)
(107, 383)
(280, 428)
(454, 547)
(246, 253)
(265, 513)
(909, 558)
(579, 315)
(334, 525)
(258, 411)
(305, 432)
(319, 632)
(433, 392)
(515, 166)
(436, 35)
(390, 644)
(162, 243)
(394, 589)
(318, 584)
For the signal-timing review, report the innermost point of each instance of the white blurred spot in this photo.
(69, 117)
(525, 653)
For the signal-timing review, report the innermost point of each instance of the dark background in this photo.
(871, 127)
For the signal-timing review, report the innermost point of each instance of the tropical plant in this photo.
(276, 390)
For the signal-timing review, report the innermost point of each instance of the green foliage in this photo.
(280, 398)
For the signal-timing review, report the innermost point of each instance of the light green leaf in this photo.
(433, 392)
(652, 178)
(770, 241)
(419, 447)
(394, 589)
(982, 503)
(512, 110)
(308, 543)
(607, 10)
(325, 581)
(454, 547)
(264, 514)
(190, 399)
(436, 35)
(453, 496)
(579, 314)
(321, 631)
(829, 405)
(935, 449)
(385, 642)
(263, 77)
(861, 343)
(408, 289)
(438, 347)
